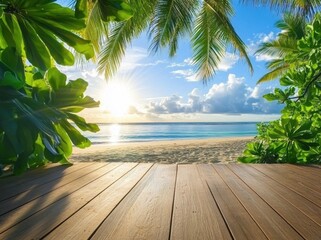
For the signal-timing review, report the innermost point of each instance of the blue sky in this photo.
(154, 87)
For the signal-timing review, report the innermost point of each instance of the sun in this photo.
(116, 98)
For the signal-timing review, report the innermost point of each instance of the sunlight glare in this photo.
(116, 98)
(114, 131)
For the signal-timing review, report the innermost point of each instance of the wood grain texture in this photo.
(145, 213)
(42, 189)
(84, 222)
(156, 201)
(239, 221)
(62, 208)
(195, 215)
(272, 224)
(300, 213)
(304, 187)
(24, 183)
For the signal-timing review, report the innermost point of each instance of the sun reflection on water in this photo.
(114, 133)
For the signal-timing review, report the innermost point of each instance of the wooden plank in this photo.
(272, 224)
(195, 215)
(21, 185)
(293, 181)
(44, 221)
(83, 223)
(145, 213)
(295, 209)
(19, 214)
(37, 191)
(307, 177)
(239, 221)
(309, 170)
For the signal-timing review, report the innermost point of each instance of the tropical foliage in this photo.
(296, 136)
(292, 29)
(37, 103)
(207, 23)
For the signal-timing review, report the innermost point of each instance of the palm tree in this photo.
(207, 23)
(292, 29)
(297, 7)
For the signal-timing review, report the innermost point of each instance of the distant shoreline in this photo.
(211, 150)
(189, 123)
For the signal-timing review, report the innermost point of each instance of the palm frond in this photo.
(278, 48)
(212, 34)
(221, 16)
(96, 30)
(302, 7)
(171, 19)
(208, 43)
(121, 34)
(291, 26)
(274, 74)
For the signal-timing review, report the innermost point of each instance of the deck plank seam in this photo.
(281, 216)
(56, 200)
(292, 190)
(219, 209)
(258, 225)
(173, 204)
(91, 198)
(54, 189)
(42, 183)
(94, 232)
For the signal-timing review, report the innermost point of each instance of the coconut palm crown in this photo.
(206, 22)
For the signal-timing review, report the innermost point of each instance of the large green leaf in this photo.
(115, 10)
(56, 79)
(57, 50)
(75, 136)
(36, 51)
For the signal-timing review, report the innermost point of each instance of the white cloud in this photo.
(185, 63)
(185, 71)
(264, 57)
(134, 59)
(187, 74)
(228, 61)
(231, 97)
(254, 46)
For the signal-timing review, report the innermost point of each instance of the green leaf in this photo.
(55, 78)
(270, 97)
(65, 145)
(9, 80)
(115, 10)
(79, 44)
(75, 136)
(21, 165)
(81, 123)
(13, 61)
(81, 8)
(57, 50)
(36, 51)
(10, 126)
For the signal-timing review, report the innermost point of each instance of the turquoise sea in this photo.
(145, 132)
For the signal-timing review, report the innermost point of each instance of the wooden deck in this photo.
(146, 201)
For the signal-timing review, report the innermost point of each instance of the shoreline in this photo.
(211, 150)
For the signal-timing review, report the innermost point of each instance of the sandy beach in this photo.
(220, 150)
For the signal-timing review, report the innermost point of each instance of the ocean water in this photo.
(145, 132)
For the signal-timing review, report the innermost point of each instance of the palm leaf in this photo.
(213, 32)
(274, 74)
(207, 42)
(304, 7)
(122, 33)
(172, 19)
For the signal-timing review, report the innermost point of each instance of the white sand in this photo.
(221, 150)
